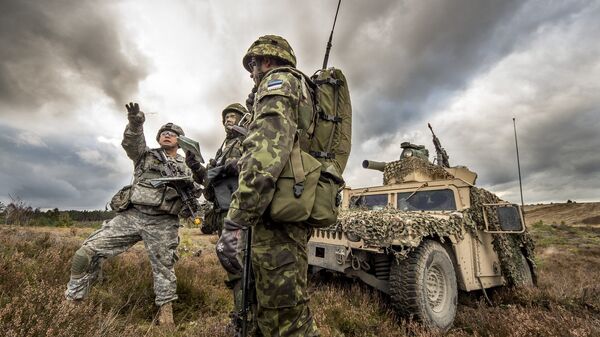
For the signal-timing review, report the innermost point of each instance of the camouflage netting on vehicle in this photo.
(508, 246)
(394, 172)
(381, 228)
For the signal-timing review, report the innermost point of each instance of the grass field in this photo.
(35, 263)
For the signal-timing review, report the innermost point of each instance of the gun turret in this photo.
(374, 165)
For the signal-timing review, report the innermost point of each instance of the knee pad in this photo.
(81, 261)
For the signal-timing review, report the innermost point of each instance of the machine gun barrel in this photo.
(374, 165)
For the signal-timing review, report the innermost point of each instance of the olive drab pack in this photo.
(331, 142)
(307, 191)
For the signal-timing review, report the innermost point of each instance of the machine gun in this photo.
(442, 156)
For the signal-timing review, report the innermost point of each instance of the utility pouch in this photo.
(327, 201)
(296, 186)
(171, 202)
(142, 194)
(120, 201)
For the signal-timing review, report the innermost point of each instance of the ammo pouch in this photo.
(296, 187)
(164, 198)
(327, 201)
(120, 201)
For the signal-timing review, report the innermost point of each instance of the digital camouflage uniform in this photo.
(279, 250)
(157, 226)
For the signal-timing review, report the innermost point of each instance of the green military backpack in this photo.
(308, 189)
(330, 143)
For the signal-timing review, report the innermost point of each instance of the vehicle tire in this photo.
(423, 286)
(527, 276)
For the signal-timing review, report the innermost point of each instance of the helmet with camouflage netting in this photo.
(270, 46)
(170, 127)
(235, 107)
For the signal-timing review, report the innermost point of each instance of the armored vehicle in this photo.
(425, 234)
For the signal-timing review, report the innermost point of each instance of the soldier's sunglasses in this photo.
(168, 134)
(253, 63)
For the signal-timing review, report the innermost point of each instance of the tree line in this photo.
(19, 213)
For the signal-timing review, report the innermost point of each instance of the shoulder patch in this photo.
(274, 84)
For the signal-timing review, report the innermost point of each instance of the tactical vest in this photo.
(142, 195)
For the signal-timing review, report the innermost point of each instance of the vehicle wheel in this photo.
(423, 286)
(527, 277)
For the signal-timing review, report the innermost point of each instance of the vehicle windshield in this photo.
(440, 200)
(371, 202)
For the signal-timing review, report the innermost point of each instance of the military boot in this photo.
(165, 315)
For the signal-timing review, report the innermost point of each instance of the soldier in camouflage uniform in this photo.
(225, 160)
(143, 213)
(279, 250)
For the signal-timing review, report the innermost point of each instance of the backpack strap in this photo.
(297, 169)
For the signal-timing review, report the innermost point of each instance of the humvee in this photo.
(423, 235)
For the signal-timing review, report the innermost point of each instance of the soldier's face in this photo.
(167, 140)
(259, 67)
(231, 118)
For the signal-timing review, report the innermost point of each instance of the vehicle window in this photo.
(372, 202)
(440, 200)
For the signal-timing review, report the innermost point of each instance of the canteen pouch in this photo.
(120, 201)
(326, 207)
(295, 189)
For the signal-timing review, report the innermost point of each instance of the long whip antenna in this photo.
(518, 162)
(331, 37)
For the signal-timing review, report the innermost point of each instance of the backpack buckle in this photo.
(298, 189)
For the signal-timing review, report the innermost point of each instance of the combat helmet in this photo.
(272, 46)
(170, 127)
(235, 107)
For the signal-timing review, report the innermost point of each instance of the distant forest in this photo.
(20, 214)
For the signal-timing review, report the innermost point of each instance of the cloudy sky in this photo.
(466, 66)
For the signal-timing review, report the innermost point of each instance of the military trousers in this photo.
(280, 263)
(160, 236)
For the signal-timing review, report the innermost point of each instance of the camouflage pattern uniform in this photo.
(157, 226)
(279, 250)
(227, 155)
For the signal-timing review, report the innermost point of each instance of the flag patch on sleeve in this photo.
(274, 84)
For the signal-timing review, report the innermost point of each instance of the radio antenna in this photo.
(518, 162)
(331, 37)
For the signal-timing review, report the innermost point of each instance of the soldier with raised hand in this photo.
(144, 212)
(282, 109)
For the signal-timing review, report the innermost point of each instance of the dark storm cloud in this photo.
(50, 50)
(52, 173)
(406, 58)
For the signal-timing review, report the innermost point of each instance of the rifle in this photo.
(247, 293)
(328, 49)
(442, 156)
(184, 185)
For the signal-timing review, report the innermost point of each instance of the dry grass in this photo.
(35, 262)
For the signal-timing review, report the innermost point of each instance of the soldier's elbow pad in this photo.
(81, 261)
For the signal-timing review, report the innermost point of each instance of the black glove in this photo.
(134, 115)
(229, 247)
(192, 162)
